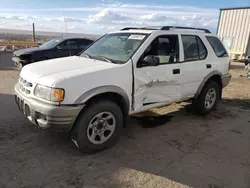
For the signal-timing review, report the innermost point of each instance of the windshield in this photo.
(51, 43)
(116, 47)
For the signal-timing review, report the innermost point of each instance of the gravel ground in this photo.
(181, 149)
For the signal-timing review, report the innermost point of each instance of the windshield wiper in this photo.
(106, 59)
(87, 55)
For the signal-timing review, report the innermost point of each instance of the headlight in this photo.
(50, 94)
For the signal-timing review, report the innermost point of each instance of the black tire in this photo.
(199, 103)
(79, 132)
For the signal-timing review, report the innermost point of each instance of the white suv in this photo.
(123, 73)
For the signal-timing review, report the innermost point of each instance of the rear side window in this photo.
(202, 49)
(194, 48)
(217, 46)
(83, 43)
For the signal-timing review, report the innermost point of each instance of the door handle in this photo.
(208, 66)
(176, 71)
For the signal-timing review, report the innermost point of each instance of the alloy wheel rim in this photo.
(210, 98)
(101, 127)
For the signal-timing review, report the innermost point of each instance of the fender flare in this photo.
(213, 73)
(101, 90)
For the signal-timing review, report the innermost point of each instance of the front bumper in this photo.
(58, 118)
(19, 62)
(226, 79)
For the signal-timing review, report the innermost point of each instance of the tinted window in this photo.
(217, 46)
(164, 47)
(202, 49)
(83, 43)
(72, 44)
(68, 44)
(51, 44)
(190, 48)
(88, 42)
(194, 48)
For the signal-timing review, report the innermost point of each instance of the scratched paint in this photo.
(150, 90)
(159, 84)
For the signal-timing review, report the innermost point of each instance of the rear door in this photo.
(195, 64)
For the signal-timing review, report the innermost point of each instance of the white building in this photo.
(234, 30)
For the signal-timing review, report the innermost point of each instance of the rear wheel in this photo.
(98, 127)
(208, 99)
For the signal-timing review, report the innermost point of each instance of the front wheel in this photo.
(208, 99)
(98, 127)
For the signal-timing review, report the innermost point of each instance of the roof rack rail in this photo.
(178, 27)
(128, 28)
(167, 28)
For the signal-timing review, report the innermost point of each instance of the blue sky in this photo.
(100, 16)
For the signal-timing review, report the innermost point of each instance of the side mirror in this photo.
(151, 60)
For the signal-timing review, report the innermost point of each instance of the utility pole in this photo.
(34, 34)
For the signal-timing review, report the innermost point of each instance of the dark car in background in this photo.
(55, 48)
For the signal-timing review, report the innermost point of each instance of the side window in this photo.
(202, 49)
(194, 48)
(166, 48)
(190, 48)
(71, 44)
(88, 42)
(68, 44)
(83, 43)
(217, 46)
(62, 44)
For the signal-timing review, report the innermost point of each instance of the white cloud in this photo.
(110, 15)
(153, 17)
(107, 16)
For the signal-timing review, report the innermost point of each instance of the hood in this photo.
(49, 71)
(27, 51)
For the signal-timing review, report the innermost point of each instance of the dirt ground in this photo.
(180, 149)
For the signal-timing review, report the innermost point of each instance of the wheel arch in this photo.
(113, 93)
(214, 76)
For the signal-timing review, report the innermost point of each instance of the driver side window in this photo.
(68, 44)
(166, 48)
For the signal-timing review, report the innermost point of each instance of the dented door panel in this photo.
(156, 85)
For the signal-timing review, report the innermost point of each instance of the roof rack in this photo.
(167, 28)
(128, 28)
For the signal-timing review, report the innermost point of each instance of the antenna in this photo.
(66, 29)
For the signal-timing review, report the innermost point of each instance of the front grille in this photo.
(25, 86)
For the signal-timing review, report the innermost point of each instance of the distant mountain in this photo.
(45, 33)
